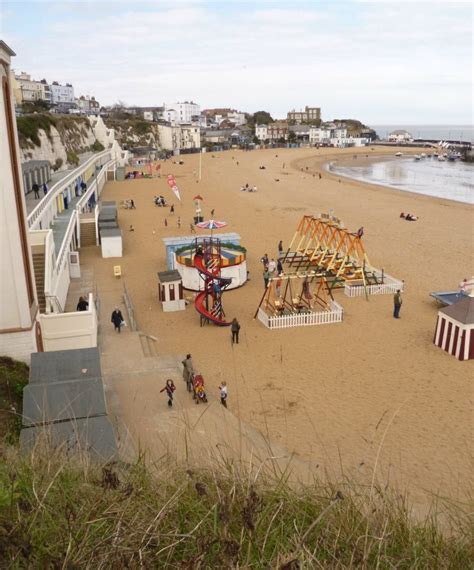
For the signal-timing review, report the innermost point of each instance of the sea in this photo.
(430, 132)
(448, 180)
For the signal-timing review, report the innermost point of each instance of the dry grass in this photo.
(57, 512)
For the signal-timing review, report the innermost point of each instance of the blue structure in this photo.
(174, 243)
(448, 297)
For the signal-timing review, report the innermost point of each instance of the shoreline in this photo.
(345, 163)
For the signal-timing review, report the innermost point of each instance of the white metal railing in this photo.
(49, 263)
(64, 249)
(387, 285)
(35, 216)
(334, 315)
(95, 185)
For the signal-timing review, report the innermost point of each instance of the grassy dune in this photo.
(64, 513)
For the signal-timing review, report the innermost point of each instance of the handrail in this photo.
(60, 185)
(66, 241)
(48, 270)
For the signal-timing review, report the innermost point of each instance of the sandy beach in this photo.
(371, 392)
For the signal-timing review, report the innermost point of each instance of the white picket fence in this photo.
(389, 285)
(334, 315)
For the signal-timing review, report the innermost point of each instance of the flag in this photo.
(172, 184)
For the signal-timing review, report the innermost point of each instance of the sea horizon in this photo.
(461, 132)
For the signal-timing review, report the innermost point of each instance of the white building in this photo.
(319, 135)
(62, 93)
(400, 136)
(19, 327)
(148, 115)
(87, 105)
(179, 137)
(237, 118)
(186, 112)
(261, 132)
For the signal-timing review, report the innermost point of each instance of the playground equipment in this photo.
(322, 256)
(298, 300)
(207, 260)
(324, 247)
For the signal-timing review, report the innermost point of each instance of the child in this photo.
(223, 390)
(169, 389)
(178, 221)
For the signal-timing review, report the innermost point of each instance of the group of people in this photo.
(408, 217)
(194, 384)
(248, 188)
(129, 204)
(159, 201)
(36, 190)
(272, 268)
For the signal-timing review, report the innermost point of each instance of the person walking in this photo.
(169, 389)
(280, 248)
(132, 205)
(82, 305)
(279, 267)
(397, 304)
(235, 328)
(45, 188)
(36, 190)
(166, 223)
(178, 221)
(266, 276)
(117, 319)
(264, 260)
(212, 213)
(223, 391)
(172, 209)
(188, 370)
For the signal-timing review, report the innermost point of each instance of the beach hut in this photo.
(170, 290)
(455, 328)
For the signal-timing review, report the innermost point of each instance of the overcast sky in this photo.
(380, 62)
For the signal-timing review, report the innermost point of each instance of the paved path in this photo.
(204, 435)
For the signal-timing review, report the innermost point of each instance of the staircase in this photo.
(88, 233)
(38, 265)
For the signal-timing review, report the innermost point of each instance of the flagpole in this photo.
(200, 164)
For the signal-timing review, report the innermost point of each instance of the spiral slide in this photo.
(200, 300)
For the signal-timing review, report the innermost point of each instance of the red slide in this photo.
(201, 309)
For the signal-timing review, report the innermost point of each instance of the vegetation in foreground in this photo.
(62, 513)
(13, 378)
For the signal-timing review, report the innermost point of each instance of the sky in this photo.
(380, 62)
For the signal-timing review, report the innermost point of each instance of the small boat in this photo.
(441, 159)
(435, 154)
(452, 157)
(429, 155)
(417, 157)
(399, 154)
(423, 155)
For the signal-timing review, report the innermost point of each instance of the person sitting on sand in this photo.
(402, 215)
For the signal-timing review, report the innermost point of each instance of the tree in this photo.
(256, 140)
(262, 118)
(291, 137)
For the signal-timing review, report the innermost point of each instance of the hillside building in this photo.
(310, 114)
(186, 112)
(400, 136)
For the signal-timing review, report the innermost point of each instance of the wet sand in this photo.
(369, 393)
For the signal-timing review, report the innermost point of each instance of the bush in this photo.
(29, 125)
(57, 164)
(97, 147)
(13, 378)
(72, 157)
